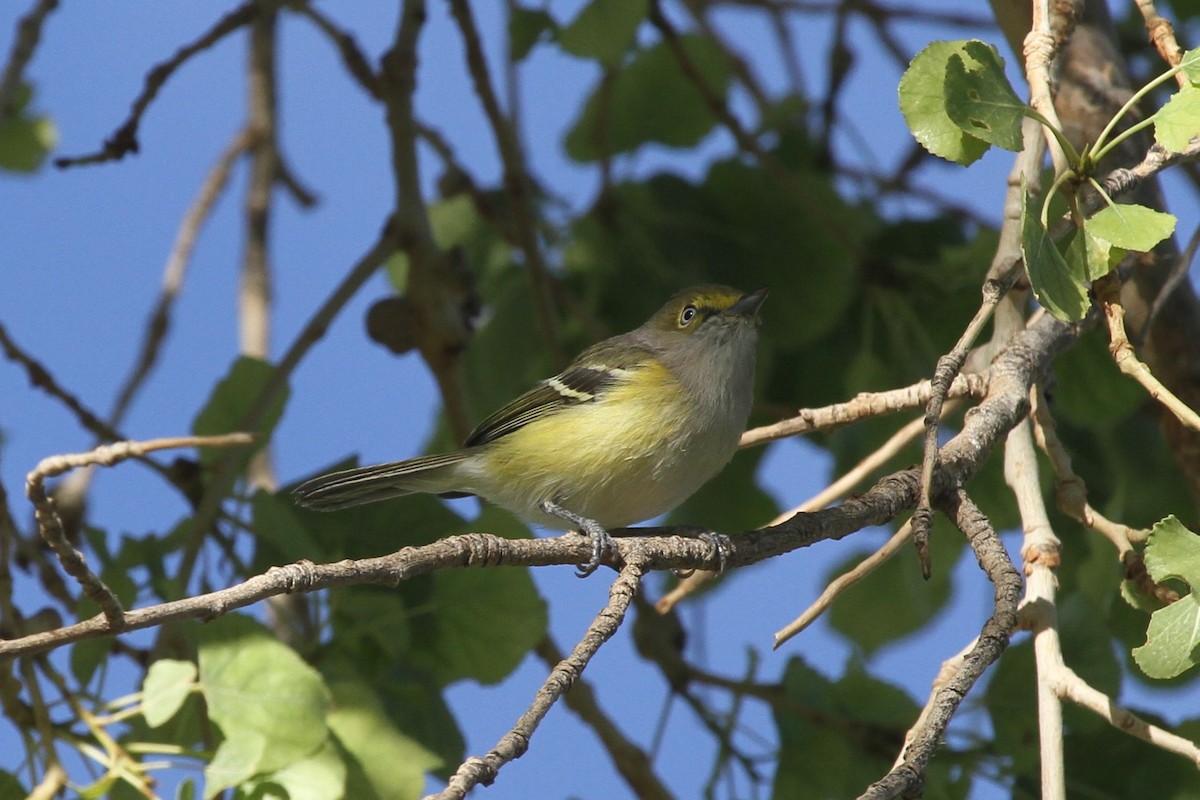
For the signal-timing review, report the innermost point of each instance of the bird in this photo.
(632, 428)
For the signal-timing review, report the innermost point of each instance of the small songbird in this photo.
(631, 429)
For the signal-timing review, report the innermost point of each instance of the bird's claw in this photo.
(601, 543)
(718, 541)
(601, 540)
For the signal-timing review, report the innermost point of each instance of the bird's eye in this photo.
(686, 316)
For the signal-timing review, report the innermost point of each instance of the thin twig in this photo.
(25, 42)
(1108, 291)
(518, 187)
(839, 488)
(512, 745)
(50, 526)
(40, 377)
(838, 586)
(1041, 48)
(908, 776)
(630, 761)
(947, 369)
(440, 287)
(1071, 494)
(762, 100)
(124, 140)
(255, 286)
(1162, 33)
(175, 272)
(352, 56)
(1071, 687)
(941, 16)
(866, 405)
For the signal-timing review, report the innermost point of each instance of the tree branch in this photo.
(29, 33)
(124, 140)
(908, 777)
(477, 770)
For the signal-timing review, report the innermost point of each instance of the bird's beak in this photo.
(748, 304)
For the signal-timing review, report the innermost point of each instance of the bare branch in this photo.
(947, 369)
(1108, 291)
(50, 526)
(907, 777)
(841, 583)
(441, 289)
(513, 745)
(518, 186)
(630, 760)
(1162, 33)
(40, 377)
(865, 406)
(175, 272)
(29, 33)
(354, 59)
(124, 140)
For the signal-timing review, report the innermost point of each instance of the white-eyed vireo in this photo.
(628, 431)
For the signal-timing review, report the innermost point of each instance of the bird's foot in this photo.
(601, 540)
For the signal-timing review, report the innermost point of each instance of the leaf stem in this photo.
(1104, 149)
(1068, 149)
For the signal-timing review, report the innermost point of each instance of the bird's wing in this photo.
(597, 369)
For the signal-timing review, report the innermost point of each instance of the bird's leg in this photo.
(601, 541)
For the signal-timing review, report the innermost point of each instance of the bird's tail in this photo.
(352, 487)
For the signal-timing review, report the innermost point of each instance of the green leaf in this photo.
(419, 711)
(320, 776)
(236, 759)
(1191, 64)
(11, 788)
(1011, 703)
(1062, 293)
(25, 140)
(872, 617)
(186, 790)
(258, 690)
(374, 614)
(604, 30)
(1131, 227)
(650, 100)
(526, 28)
(393, 764)
(231, 399)
(278, 529)
(480, 623)
(979, 98)
(1178, 120)
(1091, 390)
(923, 104)
(456, 222)
(87, 655)
(1095, 259)
(168, 683)
(814, 761)
(1173, 636)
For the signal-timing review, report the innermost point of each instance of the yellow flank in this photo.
(630, 453)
